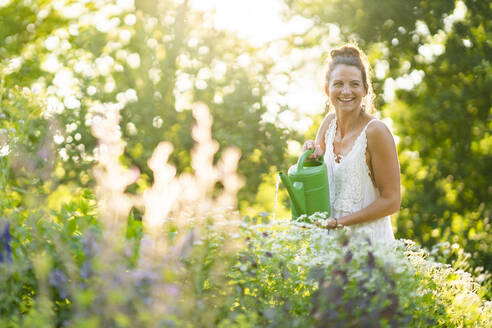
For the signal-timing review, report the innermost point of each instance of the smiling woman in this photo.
(359, 150)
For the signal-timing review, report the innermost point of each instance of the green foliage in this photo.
(60, 274)
(154, 64)
(27, 159)
(285, 275)
(293, 276)
(48, 251)
(452, 200)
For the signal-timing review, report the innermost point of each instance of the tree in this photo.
(152, 60)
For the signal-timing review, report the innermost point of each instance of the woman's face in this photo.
(345, 88)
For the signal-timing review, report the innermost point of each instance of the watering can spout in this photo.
(296, 193)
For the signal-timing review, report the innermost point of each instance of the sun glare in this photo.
(261, 22)
(258, 21)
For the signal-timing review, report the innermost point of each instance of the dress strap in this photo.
(330, 133)
(363, 136)
(373, 120)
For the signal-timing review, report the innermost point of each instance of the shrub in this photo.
(293, 276)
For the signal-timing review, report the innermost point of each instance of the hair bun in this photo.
(345, 51)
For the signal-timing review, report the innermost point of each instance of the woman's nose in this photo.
(346, 89)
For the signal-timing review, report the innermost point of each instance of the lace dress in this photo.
(351, 187)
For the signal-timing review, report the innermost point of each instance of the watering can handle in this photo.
(300, 162)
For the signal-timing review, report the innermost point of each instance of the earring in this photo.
(327, 106)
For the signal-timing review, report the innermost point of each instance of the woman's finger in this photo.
(308, 145)
(317, 153)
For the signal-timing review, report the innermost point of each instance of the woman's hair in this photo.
(351, 55)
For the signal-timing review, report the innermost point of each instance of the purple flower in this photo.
(86, 270)
(90, 244)
(5, 250)
(172, 290)
(58, 279)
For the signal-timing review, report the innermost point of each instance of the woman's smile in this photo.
(346, 100)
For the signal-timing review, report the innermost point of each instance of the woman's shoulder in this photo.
(323, 128)
(375, 125)
(327, 120)
(377, 131)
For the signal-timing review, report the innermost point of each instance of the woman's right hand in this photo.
(310, 144)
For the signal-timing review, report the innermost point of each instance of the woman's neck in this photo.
(347, 121)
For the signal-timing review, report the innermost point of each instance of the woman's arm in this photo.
(386, 172)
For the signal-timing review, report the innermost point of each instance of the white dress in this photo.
(351, 187)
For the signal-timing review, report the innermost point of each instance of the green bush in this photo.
(291, 276)
(278, 274)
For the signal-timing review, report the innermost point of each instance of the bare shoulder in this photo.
(325, 124)
(320, 136)
(378, 129)
(379, 135)
(327, 120)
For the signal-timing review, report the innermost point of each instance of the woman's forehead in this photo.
(346, 72)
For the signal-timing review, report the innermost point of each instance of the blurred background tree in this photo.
(153, 60)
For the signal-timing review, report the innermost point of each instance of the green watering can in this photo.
(307, 184)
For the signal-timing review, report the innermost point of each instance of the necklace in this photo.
(338, 158)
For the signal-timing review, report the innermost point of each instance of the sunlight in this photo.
(256, 20)
(261, 23)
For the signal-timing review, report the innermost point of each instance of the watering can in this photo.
(307, 184)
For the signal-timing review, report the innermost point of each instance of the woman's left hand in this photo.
(330, 223)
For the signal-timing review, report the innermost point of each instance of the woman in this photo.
(358, 149)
